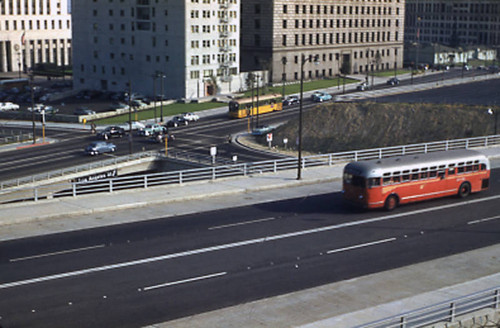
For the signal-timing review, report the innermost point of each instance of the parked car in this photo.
(99, 147)
(292, 100)
(363, 86)
(190, 117)
(38, 108)
(4, 106)
(151, 129)
(49, 110)
(393, 81)
(83, 111)
(321, 96)
(111, 132)
(261, 130)
(176, 121)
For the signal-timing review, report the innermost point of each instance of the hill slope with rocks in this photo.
(338, 127)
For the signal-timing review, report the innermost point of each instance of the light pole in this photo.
(495, 115)
(304, 60)
(162, 76)
(32, 104)
(155, 76)
(283, 77)
(130, 116)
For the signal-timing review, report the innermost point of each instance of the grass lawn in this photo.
(168, 110)
(308, 86)
(178, 108)
(391, 73)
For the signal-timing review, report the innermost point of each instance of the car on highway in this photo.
(151, 129)
(5, 106)
(176, 121)
(261, 130)
(393, 81)
(190, 117)
(111, 132)
(321, 96)
(99, 147)
(136, 126)
(84, 111)
(292, 100)
(363, 86)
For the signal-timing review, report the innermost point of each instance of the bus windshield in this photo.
(354, 180)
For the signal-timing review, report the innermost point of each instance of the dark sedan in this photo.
(111, 132)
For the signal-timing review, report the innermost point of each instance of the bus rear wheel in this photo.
(391, 203)
(464, 190)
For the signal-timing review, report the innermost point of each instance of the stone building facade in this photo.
(34, 31)
(453, 22)
(181, 49)
(348, 36)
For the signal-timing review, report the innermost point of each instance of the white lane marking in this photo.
(237, 244)
(240, 224)
(209, 276)
(484, 220)
(57, 253)
(338, 250)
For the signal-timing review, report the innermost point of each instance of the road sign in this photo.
(269, 137)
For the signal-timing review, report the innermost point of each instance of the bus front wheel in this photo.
(391, 203)
(464, 190)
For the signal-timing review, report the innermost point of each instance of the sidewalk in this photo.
(341, 304)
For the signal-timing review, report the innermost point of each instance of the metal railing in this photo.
(10, 136)
(75, 169)
(234, 170)
(441, 312)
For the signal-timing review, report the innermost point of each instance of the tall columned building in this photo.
(181, 48)
(349, 36)
(34, 31)
(453, 22)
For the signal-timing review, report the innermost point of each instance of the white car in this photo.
(38, 108)
(191, 117)
(136, 126)
(8, 106)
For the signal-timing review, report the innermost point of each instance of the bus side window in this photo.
(396, 179)
(461, 167)
(451, 169)
(483, 167)
(387, 181)
(406, 175)
(441, 174)
(475, 167)
(433, 174)
(373, 182)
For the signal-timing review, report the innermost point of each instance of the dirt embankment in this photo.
(348, 126)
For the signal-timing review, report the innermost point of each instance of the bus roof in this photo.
(377, 167)
(248, 100)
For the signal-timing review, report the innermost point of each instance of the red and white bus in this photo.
(389, 182)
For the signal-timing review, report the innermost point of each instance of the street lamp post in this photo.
(162, 76)
(299, 160)
(495, 115)
(32, 93)
(130, 117)
(154, 93)
(283, 77)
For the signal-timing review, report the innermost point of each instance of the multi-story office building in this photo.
(349, 36)
(453, 22)
(183, 48)
(34, 31)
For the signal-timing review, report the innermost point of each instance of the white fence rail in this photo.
(442, 312)
(75, 189)
(75, 169)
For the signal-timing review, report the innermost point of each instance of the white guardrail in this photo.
(75, 169)
(75, 189)
(442, 312)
